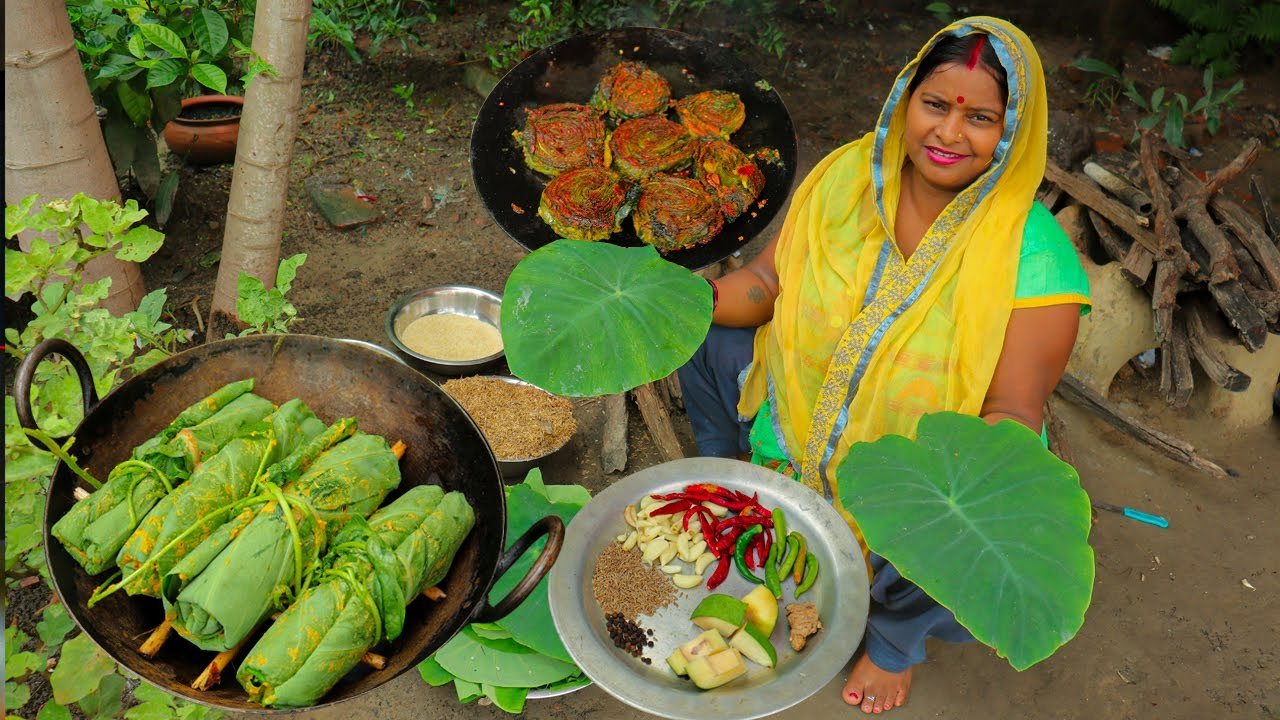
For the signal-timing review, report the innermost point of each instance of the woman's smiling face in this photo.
(955, 119)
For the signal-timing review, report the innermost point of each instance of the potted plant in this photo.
(206, 128)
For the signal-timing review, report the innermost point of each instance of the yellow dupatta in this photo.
(862, 343)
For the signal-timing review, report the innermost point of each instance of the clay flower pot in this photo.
(206, 129)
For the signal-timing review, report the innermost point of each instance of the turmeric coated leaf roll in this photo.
(372, 571)
(95, 528)
(255, 563)
(181, 520)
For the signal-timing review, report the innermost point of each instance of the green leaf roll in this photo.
(226, 477)
(223, 589)
(404, 548)
(95, 528)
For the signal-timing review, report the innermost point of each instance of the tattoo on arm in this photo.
(755, 294)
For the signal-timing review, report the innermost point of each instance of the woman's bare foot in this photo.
(876, 690)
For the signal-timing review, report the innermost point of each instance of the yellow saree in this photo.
(862, 342)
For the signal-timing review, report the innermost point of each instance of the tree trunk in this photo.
(52, 141)
(260, 182)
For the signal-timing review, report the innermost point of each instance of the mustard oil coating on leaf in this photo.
(987, 521)
(584, 204)
(728, 174)
(590, 319)
(630, 90)
(648, 145)
(712, 113)
(561, 137)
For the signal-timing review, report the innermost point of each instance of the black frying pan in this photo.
(336, 379)
(568, 71)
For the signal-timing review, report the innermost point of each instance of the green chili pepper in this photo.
(740, 553)
(797, 573)
(789, 557)
(810, 575)
(779, 526)
(771, 579)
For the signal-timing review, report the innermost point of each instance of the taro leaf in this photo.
(491, 631)
(15, 695)
(80, 670)
(507, 698)
(984, 519)
(530, 624)
(584, 319)
(432, 673)
(54, 625)
(572, 681)
(467, 691)
(53, 711)
(104, 703)
(474, 659)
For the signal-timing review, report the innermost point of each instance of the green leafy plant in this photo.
(1172, 109)
(51, 271)
(405, 93)
(940, 10)
(337, 22)
(637, 316)
(772, 39)
(1221, 32)
(984, 519)
(142, 58)
(263, 309)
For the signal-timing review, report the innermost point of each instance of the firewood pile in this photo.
(1192, 249)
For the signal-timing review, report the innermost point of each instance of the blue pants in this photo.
(901, 615)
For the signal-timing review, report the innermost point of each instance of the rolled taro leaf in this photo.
(590, 319)
(562, 137)
(648, 145)
(181, 520)
(630, 90)
(224, 588)
(675, 213)
(984, 519)
(94, 529)
(585, 204)
(730, 176)
(372, 571)
(713, 113)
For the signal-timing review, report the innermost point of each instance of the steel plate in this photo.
(841, 594)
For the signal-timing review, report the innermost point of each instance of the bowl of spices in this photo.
(523, 423)
(448, 330)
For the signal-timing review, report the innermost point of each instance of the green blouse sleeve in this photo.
(1049, 271)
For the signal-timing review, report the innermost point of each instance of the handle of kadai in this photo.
(551, 526)
(1146, 518)
(27, 370)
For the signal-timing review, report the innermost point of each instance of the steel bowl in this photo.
(473, 302)
(517, 469)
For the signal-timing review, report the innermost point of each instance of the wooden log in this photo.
(1116, 247)
(1174, 448)
(1120, 215)
(212, 674)
(1264, 202)
(672, 383)
(1138, 264)
(1217, 369)
(1252, 236)
(1132, 196)
(1233, 301)
(1250, 272)
(1057, 435)
(1049, 196)
(613, 440)
(658, 421)
(1238, 164)
(1176, 379)
(1172, 259)
(1222, 265)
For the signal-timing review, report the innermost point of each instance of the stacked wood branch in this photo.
(1196, 252)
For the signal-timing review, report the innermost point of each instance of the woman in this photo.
(914, 273)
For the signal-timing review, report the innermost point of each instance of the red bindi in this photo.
(960, 99)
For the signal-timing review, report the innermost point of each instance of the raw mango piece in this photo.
(762, 610)
(721, 613)
(716, 669)
(679, 664)
(754, 645)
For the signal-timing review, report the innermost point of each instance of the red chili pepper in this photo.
(691, 512)
(673, 508)
(721, 572)
(706, 519)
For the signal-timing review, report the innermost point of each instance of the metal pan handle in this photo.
(551, 526)
(27, 370)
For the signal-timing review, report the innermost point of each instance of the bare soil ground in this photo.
(1172, 633)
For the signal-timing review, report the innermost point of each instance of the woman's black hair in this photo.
(960, 50)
